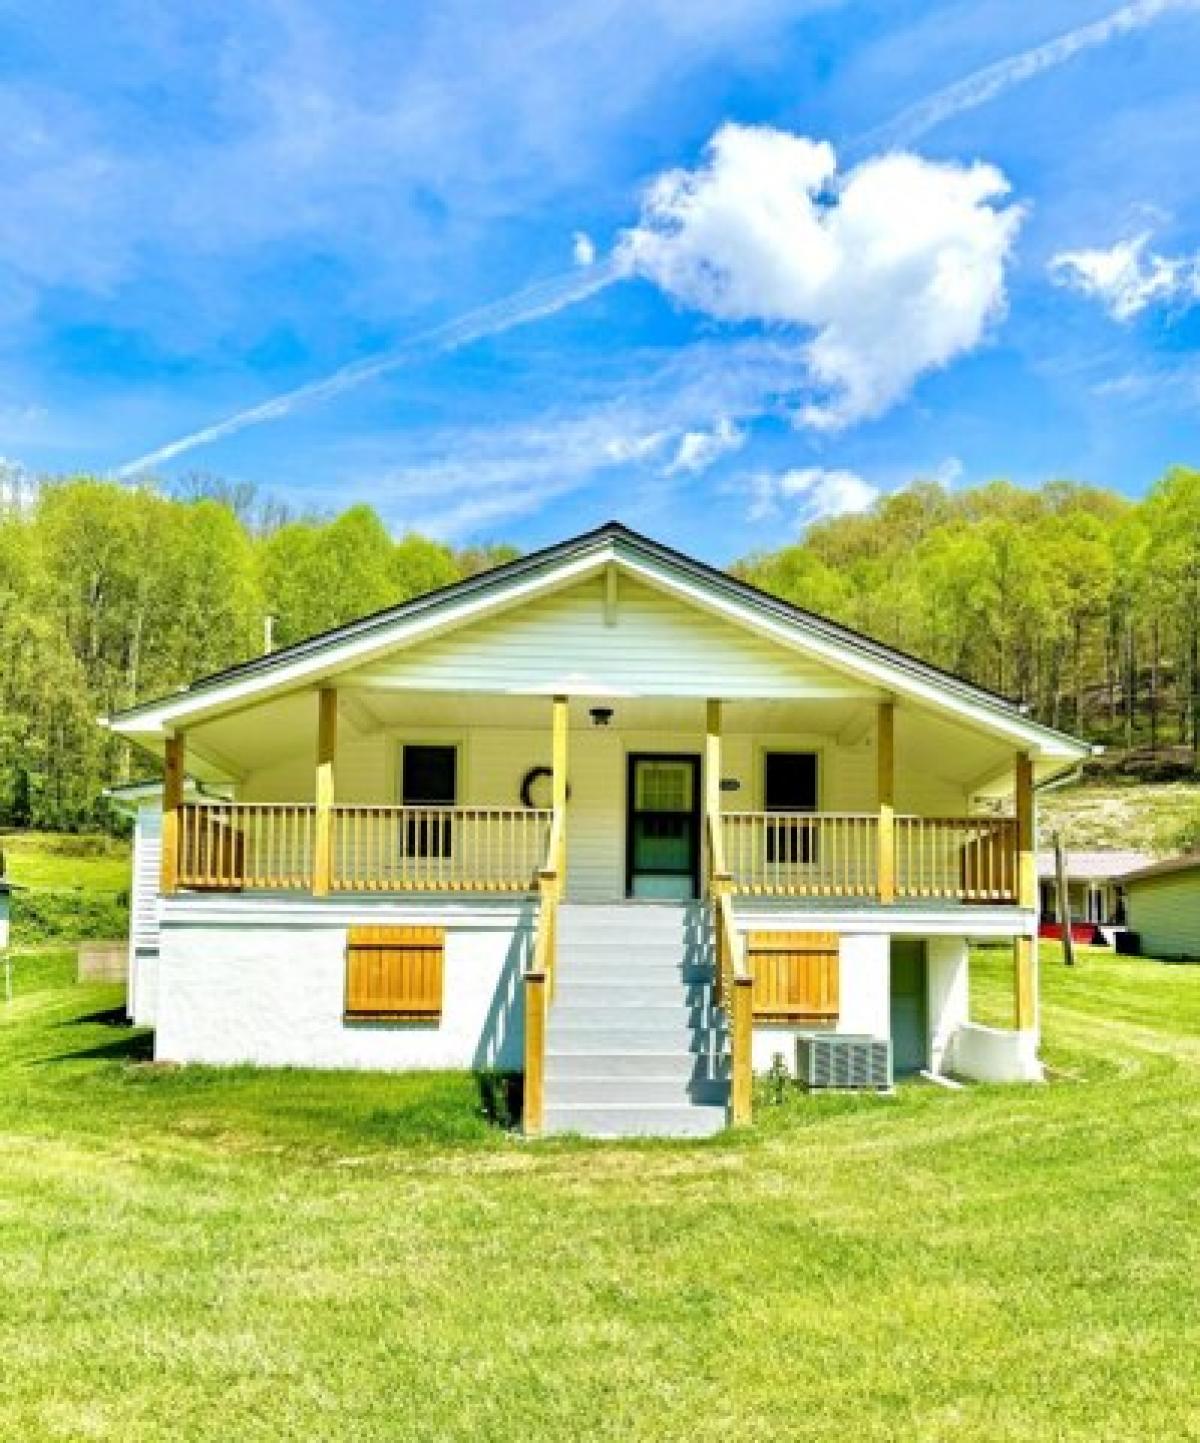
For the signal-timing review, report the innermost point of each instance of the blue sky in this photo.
(785, 256)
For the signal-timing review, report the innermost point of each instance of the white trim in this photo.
(915, 922)
(281, 910)
(792, 633)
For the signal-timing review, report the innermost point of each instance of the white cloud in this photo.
(698, 450)
(583, 249)
(819, 492)
(1126, 278)
(993, 80)
(949, 473)
(890, 271)
(623, 450)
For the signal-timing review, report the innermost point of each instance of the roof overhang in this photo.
(320, 660)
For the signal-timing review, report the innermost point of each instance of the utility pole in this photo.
(268, 634)
(1064, 902)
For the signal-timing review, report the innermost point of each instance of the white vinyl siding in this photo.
(147, 861)
(656, 645)
(494, 761)
(1165, 913)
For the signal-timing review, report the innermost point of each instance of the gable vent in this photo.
(843, 1061)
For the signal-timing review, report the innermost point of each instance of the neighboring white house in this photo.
(1164, 908)
(605, 815)
(1095, 886)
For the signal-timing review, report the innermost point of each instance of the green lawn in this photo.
(230, 1255)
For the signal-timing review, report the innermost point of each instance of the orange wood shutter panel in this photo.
(395, 972)
(795, 976)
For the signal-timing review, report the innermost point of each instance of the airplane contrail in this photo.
(543, 298)
(983, 85)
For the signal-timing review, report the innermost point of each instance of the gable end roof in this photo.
(546, 560)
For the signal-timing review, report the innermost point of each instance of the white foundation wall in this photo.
(992, 1054)
(273, 993)
(865, 988)
(948, 996)
(141, 999)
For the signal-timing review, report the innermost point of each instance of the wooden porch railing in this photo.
(228, 846)
(825, 854)
(269, 846)
(964, 859)
(733, 983)
(437, 849)
(832, 855)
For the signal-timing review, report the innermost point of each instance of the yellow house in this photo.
(606, 816)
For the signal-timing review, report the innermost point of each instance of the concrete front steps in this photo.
(633, 1045)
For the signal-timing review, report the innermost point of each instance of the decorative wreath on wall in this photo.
(529, 784)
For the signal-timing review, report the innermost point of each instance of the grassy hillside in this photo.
(204, 1254)
(71, 886)
(62, 861)
(1143, 815)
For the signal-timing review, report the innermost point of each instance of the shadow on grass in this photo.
(110, 1017)
(132, 1044)
(137, 1046)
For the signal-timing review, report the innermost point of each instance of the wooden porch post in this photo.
(1026, 859)
(559, 784)
(327, 713)
(1024, 1009)
(172, 800)
(535, 1052)
(1024, 1012)
(712, 788)
(885, 730)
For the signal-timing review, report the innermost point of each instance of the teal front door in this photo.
(662, 844)
(910, 1007)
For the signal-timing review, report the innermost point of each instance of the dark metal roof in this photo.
(548, 557)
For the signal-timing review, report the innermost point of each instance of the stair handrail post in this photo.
(741, 1085)
(533, 1108)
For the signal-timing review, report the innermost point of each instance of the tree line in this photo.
(1073, 599)
(112, 594)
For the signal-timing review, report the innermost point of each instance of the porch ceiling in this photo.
(236, 744)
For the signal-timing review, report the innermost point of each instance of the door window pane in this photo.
(664, 787)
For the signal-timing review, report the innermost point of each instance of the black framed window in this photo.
(429, 778)
(790, 785)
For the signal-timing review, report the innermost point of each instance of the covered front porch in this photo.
(837, 801)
